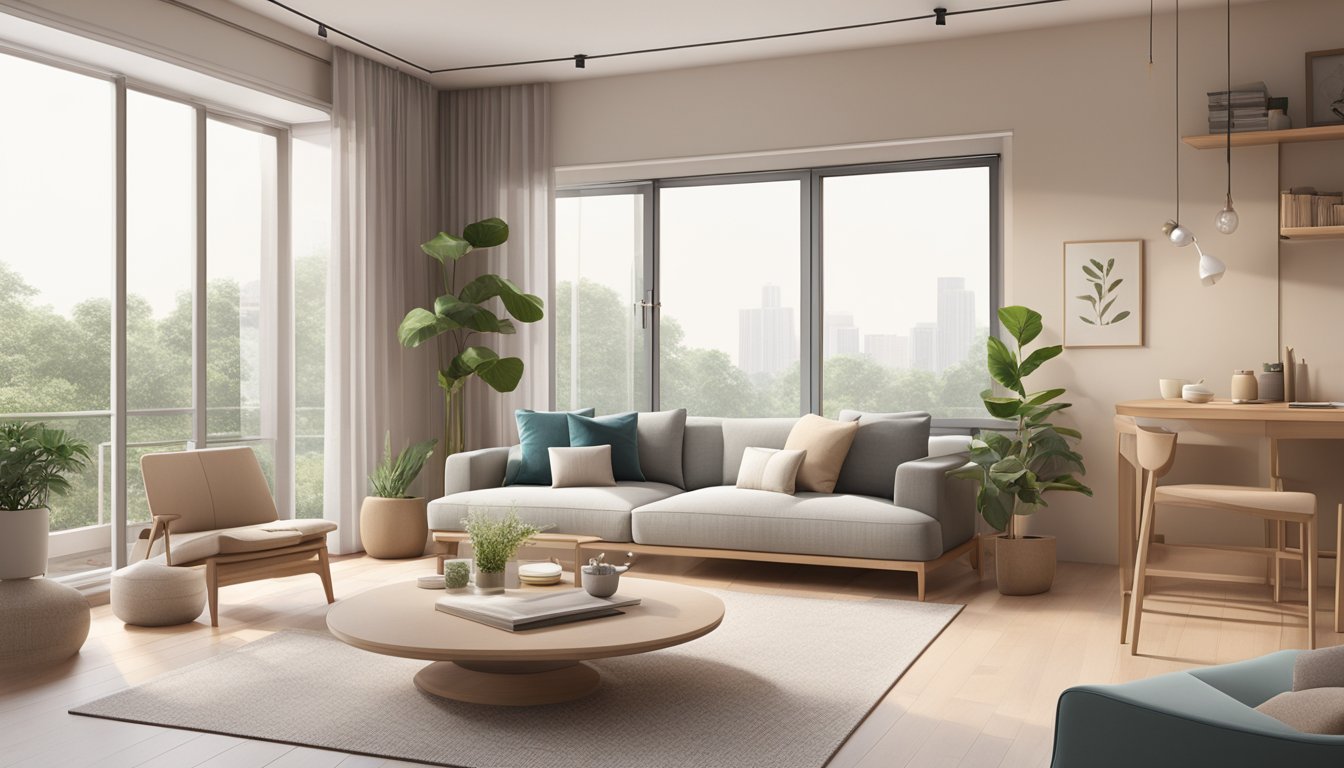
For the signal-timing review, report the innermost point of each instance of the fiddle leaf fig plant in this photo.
(1016, 469)
(461, 315)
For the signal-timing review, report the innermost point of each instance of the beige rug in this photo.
(780, 684)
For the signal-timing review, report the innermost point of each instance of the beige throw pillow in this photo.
(768, 469)
(1315, 710)
(586, 467)
(827, 444)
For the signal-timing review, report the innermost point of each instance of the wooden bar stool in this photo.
(1156, 452)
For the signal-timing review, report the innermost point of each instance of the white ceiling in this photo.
(452, 33)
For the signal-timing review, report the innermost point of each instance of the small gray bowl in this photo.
(601, 585)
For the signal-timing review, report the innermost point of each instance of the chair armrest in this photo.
(924, 486)
(474, 470)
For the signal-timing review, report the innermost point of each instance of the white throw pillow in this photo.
(767, 469)
(586, 467)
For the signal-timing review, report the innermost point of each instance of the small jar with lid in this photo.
(1244, 388)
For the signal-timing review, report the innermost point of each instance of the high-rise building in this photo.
(767, 337)
(924, 347)
(889, 350)
(842, 336)
(956, 322)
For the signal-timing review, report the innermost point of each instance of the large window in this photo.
(866, 287)
(207, 292)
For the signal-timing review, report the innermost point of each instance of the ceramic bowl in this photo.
(1171, 388)
(1196, 393)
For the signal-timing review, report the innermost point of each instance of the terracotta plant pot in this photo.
(1024, 566)
(23, 543)
(393, 528)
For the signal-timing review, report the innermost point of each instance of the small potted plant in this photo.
(494, 542)
(601, 578)
(392, 524)
(456, 574)
(1016, 469)
(34, 462)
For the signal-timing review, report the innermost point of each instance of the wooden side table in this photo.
(565, 541)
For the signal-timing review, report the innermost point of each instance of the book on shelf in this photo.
(1249, 95)
(516, 613)
(1308, 208)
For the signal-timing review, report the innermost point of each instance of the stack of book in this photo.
(1305, 207)
(524, 612)
(1249, 109)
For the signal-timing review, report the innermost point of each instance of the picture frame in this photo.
(1325, 87)
(1104, 293)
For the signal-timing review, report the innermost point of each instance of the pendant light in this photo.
(1227, 220)
(1211, 268)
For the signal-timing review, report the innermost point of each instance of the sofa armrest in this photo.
(924, 486)
(474, 470)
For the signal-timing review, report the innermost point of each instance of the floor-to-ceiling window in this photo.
(867, 287)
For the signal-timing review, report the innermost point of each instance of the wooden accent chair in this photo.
(1155, 453)
(213, 508)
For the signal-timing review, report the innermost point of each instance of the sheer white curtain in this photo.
(497, 162)
(385, 180)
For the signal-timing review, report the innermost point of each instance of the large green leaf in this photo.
(501, 373)
(995, 507)
(1000, 407)
(998, 442)
(421, 325)
(1066, 483)
(1007, 471)
(1035, 359)
(472, 316)
(1044, 396)
(1024, 324)
(486, 233)
(1002, 365)
(445, 247)
(524, 307)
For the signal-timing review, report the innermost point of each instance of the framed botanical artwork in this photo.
(1103, 293)
(1325, 87)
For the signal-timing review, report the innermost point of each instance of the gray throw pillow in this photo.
(884, 442)
(660, 439)
(1316, 710)
(1323, 668)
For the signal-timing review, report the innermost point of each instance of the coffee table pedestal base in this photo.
(509, 684)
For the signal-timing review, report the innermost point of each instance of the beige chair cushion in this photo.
(1282, 503)
(1316, 710)
(1323, 668)
(208, 489)
(198, 545)
(586, 466)
(827, 444)
(767, 469)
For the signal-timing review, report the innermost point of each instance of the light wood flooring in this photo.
(982, 695)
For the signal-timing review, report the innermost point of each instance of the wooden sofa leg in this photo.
(212, 590)
(975, 554)
(920, 576)
(324, 572)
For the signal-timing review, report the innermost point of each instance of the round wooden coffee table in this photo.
(484, 665)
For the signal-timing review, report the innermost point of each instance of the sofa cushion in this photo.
(1322, 668)
(882, 444)
(601, 512)
(770, 469)
(619, 431)
(538, 431)
(1314, 710)
(581, 467)
(702, 452)
(724, 517)
(740, 434)
(661, 434)
(199, 545)
(827, 443)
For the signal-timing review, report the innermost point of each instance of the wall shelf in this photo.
(1312, 233)
(1255, 138)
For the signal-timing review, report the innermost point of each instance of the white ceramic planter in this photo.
(23, 543)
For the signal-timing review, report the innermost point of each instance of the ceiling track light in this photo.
(940, 17)
(321, 30)
(580, 61)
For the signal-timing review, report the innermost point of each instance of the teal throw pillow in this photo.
(538, 432)
(620, 431)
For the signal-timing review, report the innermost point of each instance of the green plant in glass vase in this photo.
(460, 315)
(1016, 469)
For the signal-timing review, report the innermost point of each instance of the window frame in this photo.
(811, 255)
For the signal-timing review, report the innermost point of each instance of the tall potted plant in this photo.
(460, 314)
(1016, 469)
(392, 524)
(34, 462)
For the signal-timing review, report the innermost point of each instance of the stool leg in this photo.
(1279, 531)
(212, 590)
(1124, 616)
(1339, 568)
(1141, 567)
(1309, 565)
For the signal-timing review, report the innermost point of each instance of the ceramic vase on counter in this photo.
(1270, 386)
(1244, 387)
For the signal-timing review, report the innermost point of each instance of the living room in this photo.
(858, 372)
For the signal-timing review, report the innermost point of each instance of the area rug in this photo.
(780, 684)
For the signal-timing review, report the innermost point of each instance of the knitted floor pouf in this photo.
(149, 594)
(41, 622)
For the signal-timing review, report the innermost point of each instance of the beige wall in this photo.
(1090, 158)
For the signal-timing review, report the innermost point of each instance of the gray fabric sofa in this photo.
(689, 504)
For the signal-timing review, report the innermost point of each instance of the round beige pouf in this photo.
(41, 622)
(149, 594)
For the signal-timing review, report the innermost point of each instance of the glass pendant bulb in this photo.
(1227, 220)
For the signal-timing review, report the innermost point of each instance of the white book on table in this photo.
(518, 612)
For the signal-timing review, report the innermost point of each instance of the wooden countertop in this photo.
(1226, 410)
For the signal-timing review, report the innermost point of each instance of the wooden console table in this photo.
(1275, 421)
(565, 541)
